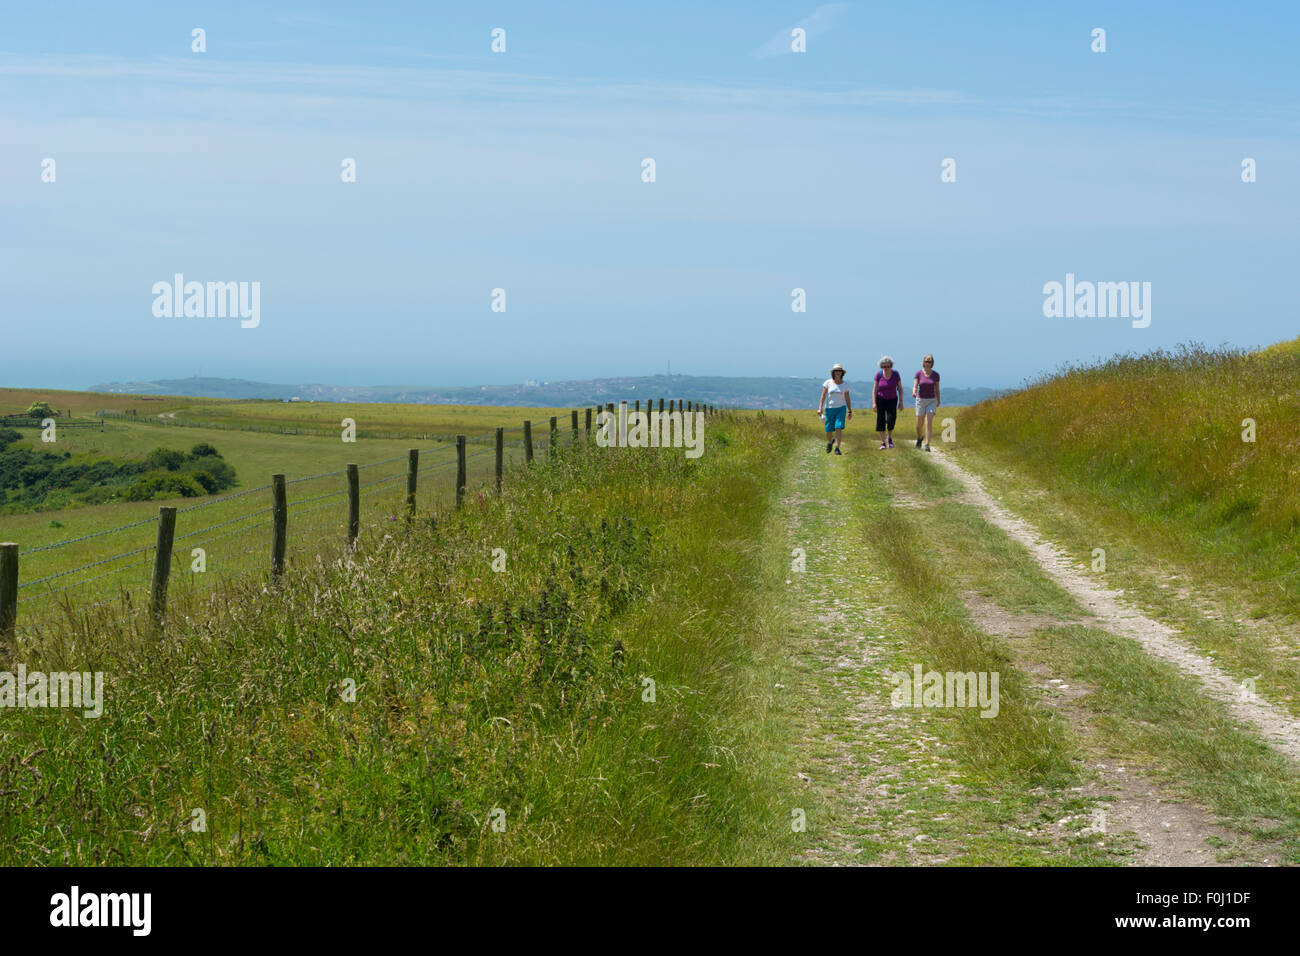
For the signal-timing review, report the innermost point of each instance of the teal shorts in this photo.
(835, 417)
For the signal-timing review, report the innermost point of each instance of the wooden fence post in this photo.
(162, 561)
(354, 504)
(460, 470)
(661, 406)
(501, 455)
(412, 479)
(279, 525)
(528, 442)
(555, 438)
(575, 426)
(8, 590)
(588, 423)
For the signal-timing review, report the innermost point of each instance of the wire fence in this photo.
(237, 536)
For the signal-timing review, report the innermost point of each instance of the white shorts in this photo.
(926, 406)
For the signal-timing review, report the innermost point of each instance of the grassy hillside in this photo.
(237, 432)
(1162, 438)
(518, 698)
(14, 401)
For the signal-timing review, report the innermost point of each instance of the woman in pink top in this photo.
(884, 399)
(925, 389)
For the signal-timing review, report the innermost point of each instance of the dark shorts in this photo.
(886, 414)
(835, 417)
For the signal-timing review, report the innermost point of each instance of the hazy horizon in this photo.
(434, 385)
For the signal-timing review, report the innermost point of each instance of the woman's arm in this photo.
(821, 402)
(936, 395)
(848, 403)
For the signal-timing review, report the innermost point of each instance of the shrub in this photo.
(205, 479)
(221, 472)
(164, 459)
(164, 484)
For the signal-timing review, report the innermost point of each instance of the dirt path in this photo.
(858, 757)
(1171, 831)
(887, 786)
(1158, 639)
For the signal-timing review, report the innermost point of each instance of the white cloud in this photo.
(413, 83)
(816, 24)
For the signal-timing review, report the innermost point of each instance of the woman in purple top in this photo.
(884, 399)
(925, 389)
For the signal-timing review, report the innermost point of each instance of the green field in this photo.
(248, 435)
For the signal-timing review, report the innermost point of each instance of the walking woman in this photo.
(837, 407)
(884, 399)
(925, 389)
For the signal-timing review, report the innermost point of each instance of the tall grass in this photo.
(1161, 436)
(516, 698)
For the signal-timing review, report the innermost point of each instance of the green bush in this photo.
(205, 479)
(164, 459)
(164, 484)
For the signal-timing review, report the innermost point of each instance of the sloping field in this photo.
(1200, 450)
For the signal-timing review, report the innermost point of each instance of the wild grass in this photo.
(1161, 437)
(499, 717)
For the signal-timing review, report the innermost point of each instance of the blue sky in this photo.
(521, 170)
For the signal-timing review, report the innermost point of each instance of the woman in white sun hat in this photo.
(835, 407)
